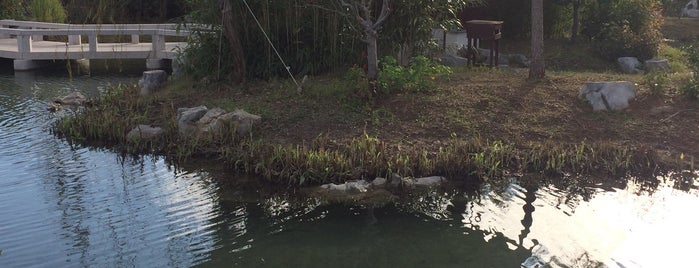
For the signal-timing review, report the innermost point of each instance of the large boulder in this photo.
(243, 121)
(690, 9)
(152, 81)
(188, 117)
(144, 132)
(629, 65)
(200, 120)
(608, 95)
(657, 65)
(213, 121)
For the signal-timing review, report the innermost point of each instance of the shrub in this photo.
(416, 77)
(621, 28)
(691, 88)
(48, 11)
(11, 9)
(657, 82)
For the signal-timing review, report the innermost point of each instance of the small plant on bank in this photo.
(419, 76)
(691, 88)
(657, 82)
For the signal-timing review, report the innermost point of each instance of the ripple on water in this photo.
(63, 206)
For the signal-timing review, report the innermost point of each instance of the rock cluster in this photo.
(631, 65)
(199, 120)
(605, 96)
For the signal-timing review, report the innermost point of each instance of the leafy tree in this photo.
(624, 27)
(409, 29)
(370, 24)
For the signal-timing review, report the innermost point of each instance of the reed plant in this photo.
(323, 160)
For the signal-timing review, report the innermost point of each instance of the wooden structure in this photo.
(25, 42)
(478, 30)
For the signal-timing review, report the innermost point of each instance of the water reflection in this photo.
(62, 206)
(65, 206)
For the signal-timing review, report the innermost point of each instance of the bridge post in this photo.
(158, 45)
(26, 65)
(3, 35)
(93, 44)
(156, 60)
(74, 40)
(135, 39)
(24, 45)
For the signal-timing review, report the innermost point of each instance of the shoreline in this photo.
(396, 139)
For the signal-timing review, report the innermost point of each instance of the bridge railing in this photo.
(27, 32)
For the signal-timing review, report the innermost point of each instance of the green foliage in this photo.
(657, 82)
(517, 17)
(125, 11)
(673, 7)
(411, 22)
(206, 55)
(48, 11)
(11, 9)
(417, 77)
(624, 27)
(691, 88)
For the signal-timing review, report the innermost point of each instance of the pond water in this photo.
(71, 206)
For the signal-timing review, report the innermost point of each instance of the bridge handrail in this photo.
(48, 25)
(68, 32)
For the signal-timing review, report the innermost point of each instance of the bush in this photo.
(657, 82)
(620, 28)
(48, 11)
(691, 89)
(11, 9)
(416, 77)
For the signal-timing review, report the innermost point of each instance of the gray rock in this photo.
(657, 65)
(350, 187)
(690, 9)
(244, 121)
(629, 65)
(378, 182)
(608, 95)
(152, 81)
(213, 120)
(187, 118)
(518, 60)
(75, 99)
(451, 60)
(144, 132)
(396, 180)
(429, 181)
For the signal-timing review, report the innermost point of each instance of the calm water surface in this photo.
(69, 206)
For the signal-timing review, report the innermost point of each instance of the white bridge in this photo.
(29, 43)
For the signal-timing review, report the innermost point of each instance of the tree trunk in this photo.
(237, 74)
(576, 21)
(537, 69)
(372, 62)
